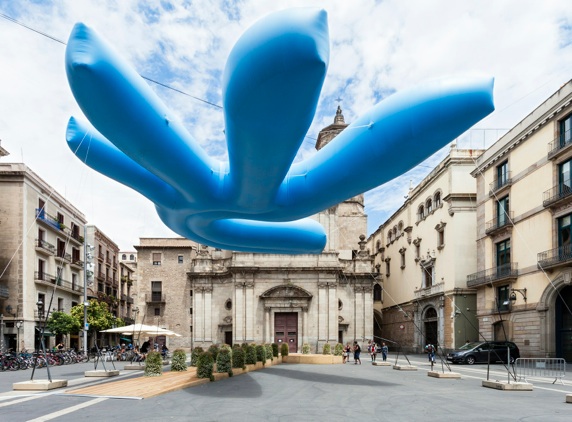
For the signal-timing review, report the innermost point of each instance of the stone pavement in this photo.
(305, 393)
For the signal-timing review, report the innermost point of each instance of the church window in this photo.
(228, 305)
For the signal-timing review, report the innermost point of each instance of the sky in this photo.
(376, 49)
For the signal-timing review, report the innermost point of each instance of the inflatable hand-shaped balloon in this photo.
(258, 201)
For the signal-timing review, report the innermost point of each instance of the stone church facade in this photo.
(236, 297)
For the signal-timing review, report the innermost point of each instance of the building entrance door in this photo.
(286, 329)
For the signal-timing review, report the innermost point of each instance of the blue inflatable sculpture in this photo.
(258, 201)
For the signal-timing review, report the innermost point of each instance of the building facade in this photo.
(41, 253)
(524, 210)
(423, 253)
(211, 296)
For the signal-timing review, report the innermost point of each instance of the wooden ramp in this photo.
(142, 387)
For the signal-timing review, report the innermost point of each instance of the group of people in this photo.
(372, 349)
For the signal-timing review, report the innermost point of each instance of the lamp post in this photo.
(18, 326)
(2, 333)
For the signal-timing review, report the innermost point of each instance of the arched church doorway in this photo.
(430, 327)
(563, 324)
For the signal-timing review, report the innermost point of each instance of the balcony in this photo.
(47, 219)
(77, 263)
(499, 223)
(44, 247)
(506, 272)
(62, 257)
(123, 297)
(155, 298)
(560, 194)
(129, 299)
(4, 292)
(560, 145)
(558, 257)
(44, 278)
(500, 184)
(429, 291)
(100, 276)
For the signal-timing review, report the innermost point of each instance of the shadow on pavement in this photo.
(326, 378)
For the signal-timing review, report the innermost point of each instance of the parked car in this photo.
(477, 352)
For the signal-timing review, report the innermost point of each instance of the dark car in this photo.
(480, 351)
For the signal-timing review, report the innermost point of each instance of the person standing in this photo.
(430, 349)
(373, 351)
(384, 351)
(357, 351)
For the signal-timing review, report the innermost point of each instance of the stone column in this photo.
(332, 313)
(208, 320)
(368, 312)
(249, 311)
(198, 320)
(323, 312)
(239, 310)
(267, 333)
(359, 312)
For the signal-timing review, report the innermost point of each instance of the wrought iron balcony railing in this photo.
(500, 183)
(556, 194)
(43, 277)
(560, 143)
(46, 246)
(499, 222)
(491, 275)
(555, 257)
(155, 298)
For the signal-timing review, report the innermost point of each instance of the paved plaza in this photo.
(290, 392)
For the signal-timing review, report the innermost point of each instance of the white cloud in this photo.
(376, 48)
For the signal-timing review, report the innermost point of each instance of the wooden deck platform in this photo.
(143, 387)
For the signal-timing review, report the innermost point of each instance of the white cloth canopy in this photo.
(152, 330)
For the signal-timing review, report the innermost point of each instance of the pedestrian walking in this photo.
(373, 352)
(357, 351)
(384, 351)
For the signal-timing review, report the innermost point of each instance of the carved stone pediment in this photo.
(286, 291)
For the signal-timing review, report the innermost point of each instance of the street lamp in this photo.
(85, 324)
(2, 333)
(18, 326)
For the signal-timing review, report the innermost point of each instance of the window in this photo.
(440, 235)
(41, 236)
(377, 245)
(503, 257)
(190, 311)
(156, 259)
(429, 206)
(41, 208)
(132, 257)
(420, 212)
(191, 293)
(123, 257)
(74, 281)
(340, 305)
(41, 269)
(503, 302)
(502, 212)
(377, 293)
(156, 291)
(60, 218)
(566, 130)
(437, 199)
(402, 255)
(502, 174)
(564, 177)
(428, 276)
(61, 248)
(228, 305)
(100, 287)
(60, 304)
(564, 242)
(387, 266)
(157, 312)
(180, 259)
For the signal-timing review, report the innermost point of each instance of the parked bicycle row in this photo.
(12, 361)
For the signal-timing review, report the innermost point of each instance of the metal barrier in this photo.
(540, 367)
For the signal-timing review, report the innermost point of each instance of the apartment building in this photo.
(524, 212)
(41, 255)
(423, 253)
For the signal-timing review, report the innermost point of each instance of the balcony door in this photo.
(502, 174)
(156, 291)
(503, 258)
(563, 320)
(566, 130)
(502, 211)
(564, 241)
(564, 178)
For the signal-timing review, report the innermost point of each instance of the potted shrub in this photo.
(338, 349)
(275, 350)
(153, 364)
(223, 361)
(305, 349)
(179, 361)
(238, 357)
(213, 350)
(268, 348)
(327, 349)
(197, 351)
(205, 365)
(261, 354)
(250, 355)
(284, 349)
